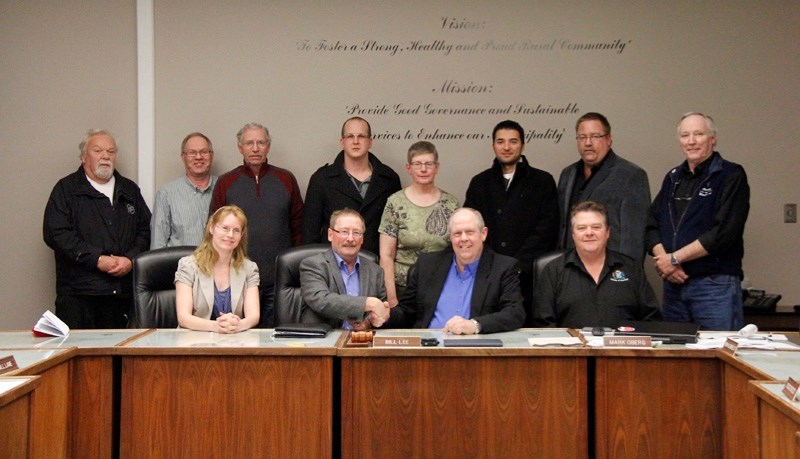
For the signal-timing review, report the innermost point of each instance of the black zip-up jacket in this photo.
(80, 225)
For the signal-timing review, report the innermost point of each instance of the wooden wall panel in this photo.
(50, 404)
(14, 419)
(92, 428)
(464, 407)
(658, 407)
(226, 406)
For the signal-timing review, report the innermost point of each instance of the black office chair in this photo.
(154, 287)
(538, 266)
(289, 306)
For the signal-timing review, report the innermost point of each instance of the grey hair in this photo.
(252, 126)
(712, 128)
(422, 147)
(91, 133)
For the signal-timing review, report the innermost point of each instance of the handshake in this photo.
(377, 314)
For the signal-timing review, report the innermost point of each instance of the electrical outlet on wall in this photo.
(790, 213)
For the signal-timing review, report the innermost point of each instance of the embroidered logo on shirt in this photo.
(131, 209)
(619, 276)
(706, 191)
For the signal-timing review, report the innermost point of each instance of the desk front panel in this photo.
(658, 407)
(226, 406)
(92, 416)
(482, 406)
(15, 415)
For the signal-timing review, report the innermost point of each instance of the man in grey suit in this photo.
(602, 176)
(340, 287)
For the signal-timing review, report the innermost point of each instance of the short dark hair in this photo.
(594, 116)
(589, 206)
(509, 124)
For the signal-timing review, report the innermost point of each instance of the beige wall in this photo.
(65, 67)
(219, 65)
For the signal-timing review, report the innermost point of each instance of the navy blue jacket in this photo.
(715, 216)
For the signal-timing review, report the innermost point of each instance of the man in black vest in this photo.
(695, 231)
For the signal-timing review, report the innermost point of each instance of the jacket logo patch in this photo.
(619, 276)
(131, 209)
(706, 191)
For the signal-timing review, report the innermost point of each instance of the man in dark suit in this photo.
(356, 179)
(338, 286)
(603, 176)
(464, 290)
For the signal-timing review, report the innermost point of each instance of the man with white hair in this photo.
(695, 231)
(96, 222)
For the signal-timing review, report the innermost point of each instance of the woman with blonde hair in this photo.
(217, 286)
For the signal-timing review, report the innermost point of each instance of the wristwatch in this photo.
(477, 326)
(675, 261)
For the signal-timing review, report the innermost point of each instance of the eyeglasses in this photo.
(251, 143)
(428, 165)
(195, 153)
(348, 233)
(592, 137)
(352, 137)
(229, 230)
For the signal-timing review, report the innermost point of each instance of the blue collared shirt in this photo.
(456, 295)
(352, 281)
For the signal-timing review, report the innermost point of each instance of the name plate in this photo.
(627, 341)
(790, 389)
(8, 364)
(397, 341)
(730, 347)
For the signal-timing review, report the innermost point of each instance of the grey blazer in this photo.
(324, 294)
(203, 286)
(623, 187)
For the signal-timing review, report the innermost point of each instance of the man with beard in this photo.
(95, 221)
(181, 208)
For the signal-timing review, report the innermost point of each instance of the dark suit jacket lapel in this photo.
(482, 283)
(603, 173)
(433, 289)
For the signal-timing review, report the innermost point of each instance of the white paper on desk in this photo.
(733, 335)
(556, 341)
(718, 340)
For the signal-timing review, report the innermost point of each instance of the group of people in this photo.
(464, 268)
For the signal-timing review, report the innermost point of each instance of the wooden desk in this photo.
(15, 415)
(73, 411)
(778, 421)
(198, 394)
(445, 402)
(657, 403)
(740, 403)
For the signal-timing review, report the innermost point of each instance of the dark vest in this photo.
(680, 230)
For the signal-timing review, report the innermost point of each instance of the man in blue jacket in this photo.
(695, 231)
